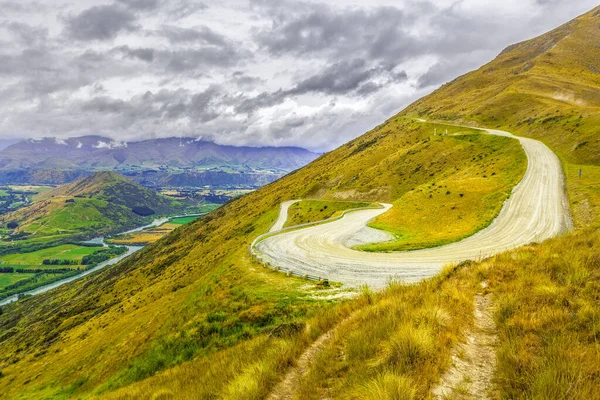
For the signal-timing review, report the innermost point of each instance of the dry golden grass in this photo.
(547, 317)
(456, 203)
(248, 370)
(584, 194)
(398, 342)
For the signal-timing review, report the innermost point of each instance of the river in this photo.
(112, 261)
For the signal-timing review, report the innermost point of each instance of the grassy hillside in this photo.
(216, 295)
(458, 200)
(547, 88)
(115, 189)
(400, 341)
(307, 211)
(101, 204)
(193, 316)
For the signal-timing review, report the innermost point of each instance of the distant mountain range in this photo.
(156, 161)
(4, 143)
(100, 152)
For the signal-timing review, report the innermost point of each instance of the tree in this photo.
(143, 211)
(12, 225)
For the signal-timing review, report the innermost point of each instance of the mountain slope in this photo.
(218, 296)
(92, 152)
(230, 327)
(547, 88)
(93, 206)
(116, 189)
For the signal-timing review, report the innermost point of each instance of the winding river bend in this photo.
(112, 261)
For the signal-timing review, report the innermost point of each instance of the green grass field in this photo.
(183, 221)
(10, 278)
(41, 190)
(317, 210)
(35, 259)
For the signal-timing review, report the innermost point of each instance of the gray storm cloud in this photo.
(262, 72)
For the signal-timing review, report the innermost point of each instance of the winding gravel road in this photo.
(283, 214)
(536, 210)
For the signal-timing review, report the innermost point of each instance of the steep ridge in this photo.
(193, 316)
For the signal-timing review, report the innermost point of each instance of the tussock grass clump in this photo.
(547, 317)
(247, 370)
(388, 386)
(409, 348)
(398, 341)
(545, 306)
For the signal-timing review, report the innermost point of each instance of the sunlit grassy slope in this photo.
(547, 317)
(458, 200)
(192, 316)
(547, 88)
(450, 185)
(317, 210)
(208, 293)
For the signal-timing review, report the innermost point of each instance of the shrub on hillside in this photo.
(143, 211)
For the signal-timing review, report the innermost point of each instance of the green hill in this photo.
(118, 190)
(101, 204)
(193, 316)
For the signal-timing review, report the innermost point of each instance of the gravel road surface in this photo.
(536, 210)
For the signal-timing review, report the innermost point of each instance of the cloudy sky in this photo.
(259, 72)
